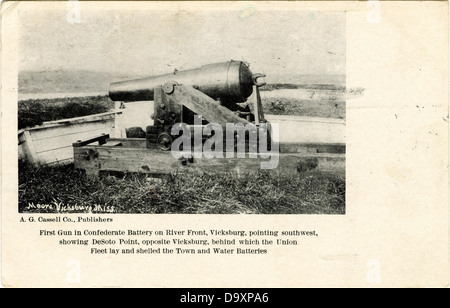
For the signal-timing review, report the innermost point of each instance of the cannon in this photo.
(230, 81)
(211, 95)
(213, 91)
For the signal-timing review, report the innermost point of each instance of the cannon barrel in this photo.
(231, 81)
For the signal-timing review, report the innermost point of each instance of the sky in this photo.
(153, 42)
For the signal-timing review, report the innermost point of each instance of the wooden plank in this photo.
(95, 158)
(66, 130)
(292, 147)
(28, 148)
(21, 153)
(45, 145)
(49, 152)
(62, 161)
(166, 111)
(21, 137)
(100, 139)
(204, 105)
(56, 156)
(113, 144)
(85, 119)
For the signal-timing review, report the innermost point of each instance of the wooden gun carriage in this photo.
(216, 93)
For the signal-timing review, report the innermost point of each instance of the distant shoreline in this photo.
(99, 82)
(266, 88)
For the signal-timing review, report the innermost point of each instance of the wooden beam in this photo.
(101, 140)
(204, 105)
(94, 159)
(84, 119)
(28, 148)
(166, 111)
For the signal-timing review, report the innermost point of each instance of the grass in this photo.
(254, 193)
(309, 108)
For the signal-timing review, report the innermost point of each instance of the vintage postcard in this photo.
(225, 144)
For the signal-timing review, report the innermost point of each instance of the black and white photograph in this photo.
(166, 111)
(227, 148)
